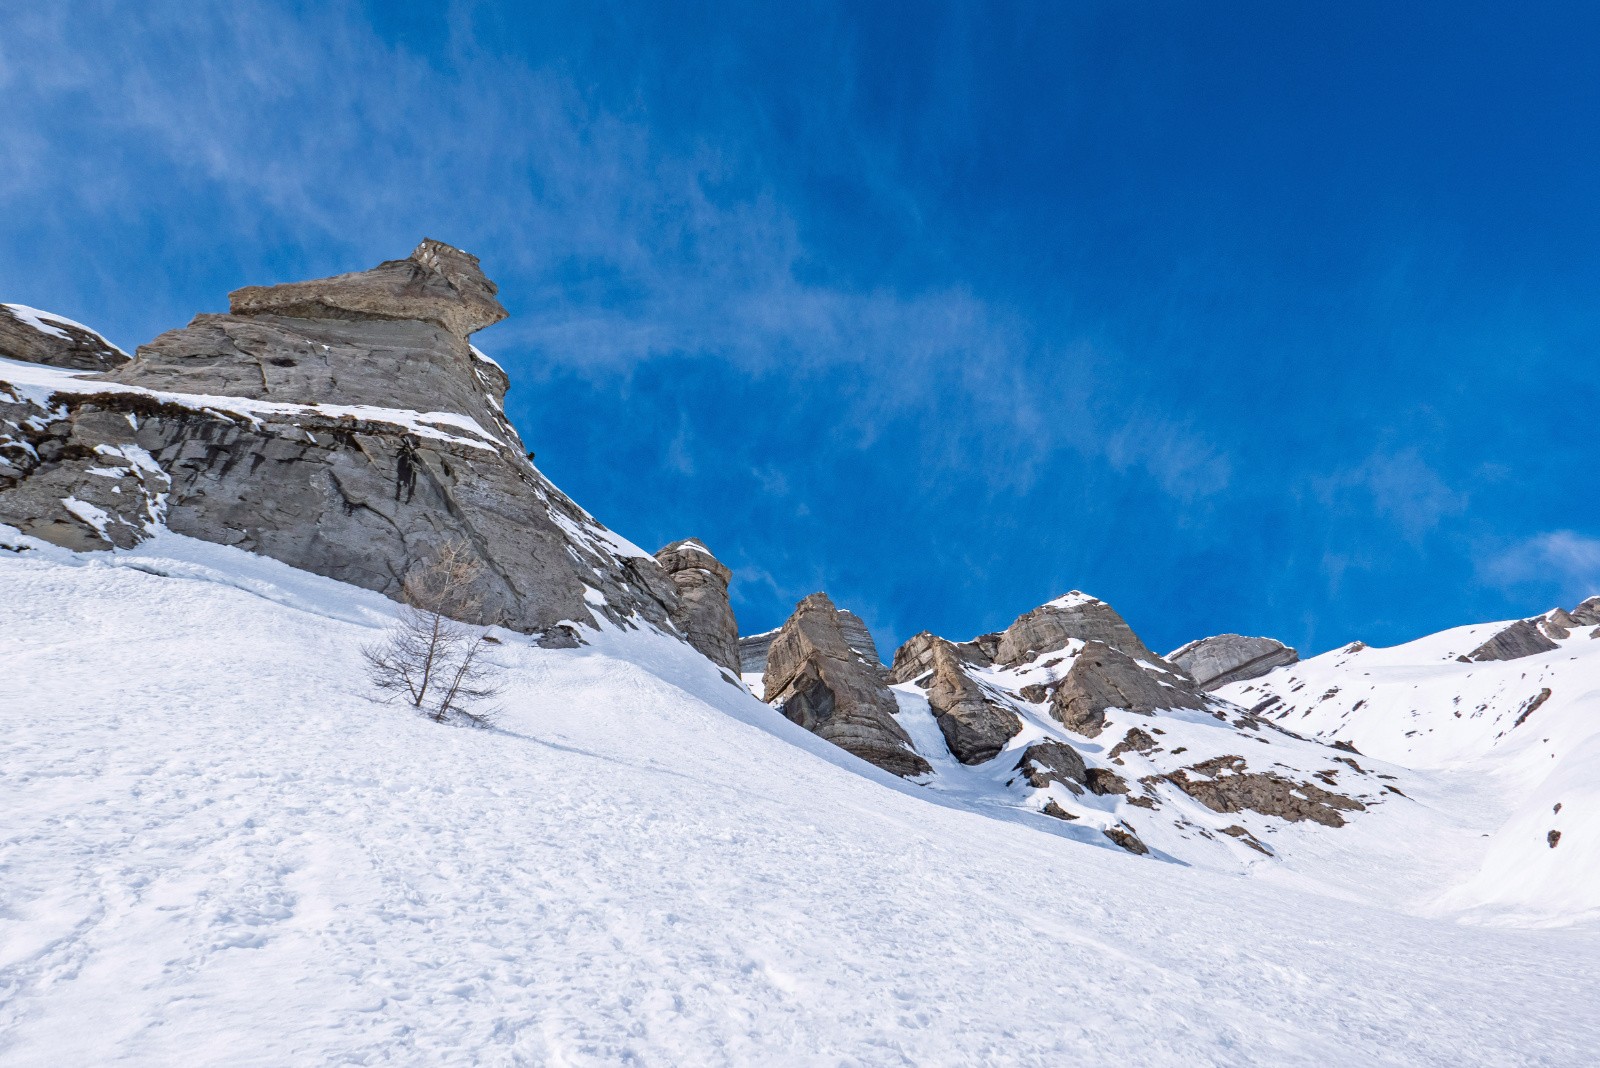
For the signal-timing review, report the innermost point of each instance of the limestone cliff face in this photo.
(345, 426)
(818, 680)
(1228, 658)
(976, 726)
(703, 613)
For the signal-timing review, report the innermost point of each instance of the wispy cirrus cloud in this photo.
(1400, 486)
(615, 244)
(1559, 563)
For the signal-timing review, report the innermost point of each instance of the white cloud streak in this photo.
(625, 248)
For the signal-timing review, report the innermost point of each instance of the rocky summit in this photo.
(345, 426)
(702, 613)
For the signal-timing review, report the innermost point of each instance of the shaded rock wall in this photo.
(817, 680)
(40, 337)
(703, 612)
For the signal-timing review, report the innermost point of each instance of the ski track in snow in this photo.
(215, 849)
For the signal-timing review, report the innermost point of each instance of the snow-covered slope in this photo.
(1524, 731)
(216, 849)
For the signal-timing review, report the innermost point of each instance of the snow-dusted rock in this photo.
(1224, 784)
(1588, 613)
(975, 725)
(1226, 658)
(1051, 761)
(818, 680)
(344, 426)
(41, 337)
(1519, 639)
(915, 657)
(1103, 678)
(702, 613)
(1075, 615)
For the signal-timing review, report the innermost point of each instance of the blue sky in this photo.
(1244, 317)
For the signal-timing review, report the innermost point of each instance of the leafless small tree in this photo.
(429, 658)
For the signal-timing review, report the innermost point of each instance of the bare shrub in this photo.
(429, 658)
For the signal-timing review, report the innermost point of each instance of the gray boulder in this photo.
(1227, 658)
(1103, 678)
(816, 679)
(702, 613)
(40, 337)
(976, 727)
(1520, 639)
(356, 432)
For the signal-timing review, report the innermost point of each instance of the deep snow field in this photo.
(215, 849)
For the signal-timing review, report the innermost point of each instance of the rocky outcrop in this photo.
(1076, 615)
(1223, 784)
(76, 476)
(859, 638)
(1050, 761)
(703, 612)
(753, 648)
(40, 337)
(345, 427)
(1587, 614)
(1123, 835)
(1556, 624)
(436, 284)
(1103, 678)
(816, 679)
(1226, 658)
(1520, 639)
(914, 658)
(976, 727)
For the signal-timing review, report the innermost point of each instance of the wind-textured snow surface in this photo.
(1523, 735)
(216, 849)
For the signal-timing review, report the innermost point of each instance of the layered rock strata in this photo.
(1103, 678)
(818, 680)
(976, 726)
(40, 337)
(1227, 658)
(703, 613)
(1520, 639)
(344, 426)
